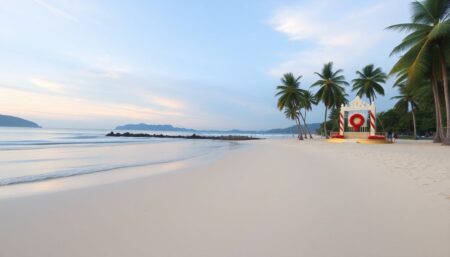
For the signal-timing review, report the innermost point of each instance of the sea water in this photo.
(43, 158)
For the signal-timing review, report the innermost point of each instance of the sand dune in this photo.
(273, 198)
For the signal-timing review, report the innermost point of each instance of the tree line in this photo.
(422, 106)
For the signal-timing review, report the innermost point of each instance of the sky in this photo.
(199, 64)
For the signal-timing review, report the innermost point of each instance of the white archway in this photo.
(358, 105)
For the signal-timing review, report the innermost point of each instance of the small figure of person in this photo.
(390, 136)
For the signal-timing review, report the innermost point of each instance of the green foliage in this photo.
(429, 28)
(332, 123)
(368, 82)
(407, 100)
(291, 112)
(331, 86)
(289, 91)
(331, 89)
(401, 122)
(290, 98)
(425, 57)
(422, 72)
(308, 100)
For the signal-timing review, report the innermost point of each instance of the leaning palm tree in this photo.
(429, 32)
(308, 100)
(368, 82)
(291, 112)
(407, 100)
(306, 103)
(289, 91)
(331, 89)
(290, 96)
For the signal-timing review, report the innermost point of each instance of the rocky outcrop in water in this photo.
(193, 136)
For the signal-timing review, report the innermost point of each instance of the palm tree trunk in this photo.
(304, 118)
(303, 128)
(309, 131)
(306, 125)
(446, 93)
(414, 122)
(325, 123)
(439, 136)
(299, 128)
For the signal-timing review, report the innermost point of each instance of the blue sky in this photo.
(201, 64)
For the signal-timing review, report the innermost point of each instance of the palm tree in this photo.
(290, 96)
(429, 32)
(422, 91)
(307, 101)
(407, 100)
(368, 82)
(432, 76)
(439, 135)
(332, 89)
(291, 112)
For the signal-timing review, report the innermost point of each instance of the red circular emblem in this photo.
(357, 120)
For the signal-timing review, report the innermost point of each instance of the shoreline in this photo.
(113, 174)
(276, 198)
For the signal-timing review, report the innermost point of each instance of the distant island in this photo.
(143, 126)
(11, 121)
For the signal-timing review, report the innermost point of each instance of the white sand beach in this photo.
(274, 198)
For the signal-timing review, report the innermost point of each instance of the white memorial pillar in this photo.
(372, 113)
(341, 121)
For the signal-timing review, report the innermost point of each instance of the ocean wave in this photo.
(24, 145)
(81, 171)
(53, 154)
(82, 137)
(39, 142)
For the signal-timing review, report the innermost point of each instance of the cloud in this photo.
(103, 66)
(343, 33)
(48, 85)
(319, 23)
(45, 106)
(56, 10)
(166, 103)
(301, 22)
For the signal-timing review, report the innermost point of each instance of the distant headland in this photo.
(143, 127)
(11, 121)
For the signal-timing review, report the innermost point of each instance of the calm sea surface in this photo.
(43, 158)
(30, 155)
